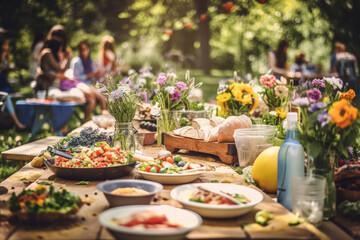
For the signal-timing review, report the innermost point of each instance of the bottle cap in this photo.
(292, 117)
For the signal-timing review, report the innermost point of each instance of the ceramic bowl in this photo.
(128, 199)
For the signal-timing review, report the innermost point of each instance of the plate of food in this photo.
(146, 222)
(43, 205)
(217, 200)
(97, 162)
(170, 169)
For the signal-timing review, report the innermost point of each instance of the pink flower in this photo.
(161, 79)
(181, 85)
(268, 80)
(176, 95)
(281, 91)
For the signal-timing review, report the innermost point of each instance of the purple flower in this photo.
(314, 95)
(161, 79)
(148, 69)
(350, 151)
(181, 85)
(116, 94)
(301, 102)
(103, 89)
(318, 82)
(176, 95)
(323, 118)
(144, 95)
(316, 106)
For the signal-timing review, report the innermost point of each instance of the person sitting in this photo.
(83, 70)
(277, 59)
(5, 67)
(302, 66)
(107, 57)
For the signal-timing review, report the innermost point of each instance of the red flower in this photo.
(168, 32)
(228, 6)
(188, 25)
(203, 17)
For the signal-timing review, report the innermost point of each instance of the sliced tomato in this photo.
(108, 155)
(170, 160)
(147, 169)
(99, 151)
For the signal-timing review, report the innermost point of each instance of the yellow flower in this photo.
(40, 187)
(246, 99)
(231, 80)
(223, 97)
(348, 95)
(342, 113)
(282, 113)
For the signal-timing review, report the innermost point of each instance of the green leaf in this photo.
(82, 183)
(45, 182)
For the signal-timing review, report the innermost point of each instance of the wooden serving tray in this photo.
(225, 151)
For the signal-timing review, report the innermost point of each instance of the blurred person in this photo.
(36, 47)
(338, 48)
(107, 56)
(50, 71)
(302, 66)
(278, 60)
(84, 70)
(5, 67)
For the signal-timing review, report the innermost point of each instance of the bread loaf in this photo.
(197, 123)
(181, 131)
(228, 127)
(215, 121)
(193, 133)
(211, 135)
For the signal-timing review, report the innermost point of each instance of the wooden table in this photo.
(28, 151)
(86, 226)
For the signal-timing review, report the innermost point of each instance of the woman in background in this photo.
(84, 70)
(5, 68)
(107, 56)
(277, 59)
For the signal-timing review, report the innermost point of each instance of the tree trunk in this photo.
(203, 36)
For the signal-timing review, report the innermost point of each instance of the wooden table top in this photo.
(85, 224)
(28, 151)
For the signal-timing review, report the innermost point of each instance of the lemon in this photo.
(264, 170)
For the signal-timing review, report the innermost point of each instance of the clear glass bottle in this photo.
(290, 162)
(124, 136)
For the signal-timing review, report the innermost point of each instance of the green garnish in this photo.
(45, 182)
(82, 183)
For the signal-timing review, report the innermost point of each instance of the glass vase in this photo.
(323, 165)
(166, 122)
(124, 136)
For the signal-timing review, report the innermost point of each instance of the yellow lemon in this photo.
(264, 170)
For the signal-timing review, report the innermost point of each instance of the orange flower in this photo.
(342, 113)
(348, 95)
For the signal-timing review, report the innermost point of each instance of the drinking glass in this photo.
(140, 136)
(308, 194)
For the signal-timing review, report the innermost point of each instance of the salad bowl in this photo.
(187, 219)
(184, 194)
(90, 174)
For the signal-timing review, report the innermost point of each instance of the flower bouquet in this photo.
(171, 96)
(329, 126)
(236, 98)
(276, 92)
(123, 98)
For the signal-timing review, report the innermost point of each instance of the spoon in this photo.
(203, 188)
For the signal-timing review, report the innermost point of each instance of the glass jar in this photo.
(166, 122)
(124, 136)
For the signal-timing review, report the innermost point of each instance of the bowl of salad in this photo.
(217, 200)
(149, 222)
(129, 191)
(170, 169)
(97, 162)
(43, 205)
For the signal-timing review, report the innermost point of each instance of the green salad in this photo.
(44, 200)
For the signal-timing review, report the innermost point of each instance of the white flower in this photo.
(334, 82)
(273, 113)
(155, 110)
(142, 81)
(171, 75)
(147, 75)
(222, 88)
(284, 123)
(157, 91)
(131, 71)
(170, 89)
(282, 81)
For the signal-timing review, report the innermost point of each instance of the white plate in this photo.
(181, 194)
(176, 178)
(186, 218)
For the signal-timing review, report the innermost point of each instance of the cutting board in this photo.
(225, 151)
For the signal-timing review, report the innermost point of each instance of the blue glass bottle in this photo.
(290, 162)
